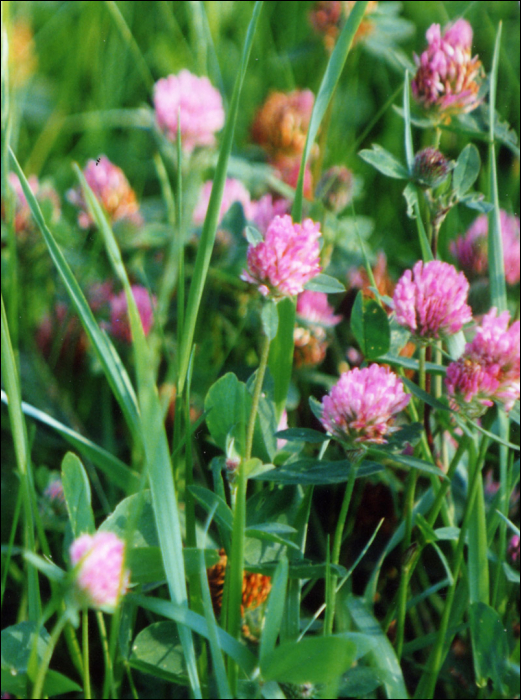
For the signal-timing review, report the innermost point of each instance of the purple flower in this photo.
(198, 103)
(111, 187)
(363, 404)
(431, 300)
(234, 191)
(489, 369)
(286, 260)
(448, 77)
(471, 249)
(119, 322)
(100, 576)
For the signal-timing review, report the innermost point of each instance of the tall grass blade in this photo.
(274, 610)
(107, 355)
(327, 88)
(204, 251)
(498, 289)
(154, 440)
(116, 470)
(23, 460)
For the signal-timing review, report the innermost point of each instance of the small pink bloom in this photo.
(490, 367)
(234, 191)
(448, 77)
(513, 548)
(119, 321)
(313, 307)
(363, 404)
(286, 260)
(431, 300)
(54, 491)
(471, 250)
(265, 209)
(283, 425)
(111, 187)
(100, 578)
(199, 104)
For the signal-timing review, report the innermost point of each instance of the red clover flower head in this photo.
(431, 300)
(111, 187)
(448, 77)
(313, 307)
(199, 104)
(234, 191)
(471, 249)
(100, 578)
(265, 209)
(119, 321)
(286, 259)
(489, 369)
(363, 404)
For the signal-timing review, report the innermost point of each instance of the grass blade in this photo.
(498, 289)
(111, 466)
(23, 459)
(154, 440)
(107, 355)
(274, 610)
(327, 88)
(205, 248)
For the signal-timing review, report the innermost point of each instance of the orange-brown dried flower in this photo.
(22, 53)
(359, 278)
(281, 124)
(327, 18)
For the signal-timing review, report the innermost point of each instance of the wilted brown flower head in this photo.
(281, 124)
(359, 278)
(328, 17)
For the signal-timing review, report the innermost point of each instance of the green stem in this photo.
(86, 667)
(108, 682)
(46, 659)
(256, 396)
(337, 544)
(428, 681)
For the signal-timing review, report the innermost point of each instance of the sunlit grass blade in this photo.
(498, 291)
(205, 248)
(23, 460)
(112, 366)
(116, 470)
(327, 88)
(154, 440)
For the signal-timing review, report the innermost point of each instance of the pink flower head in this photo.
(100, 578)
(513, 548)
(490, 367)
(111, 187)
(197, 102)
(54, 492)
(471, 250)
(431, 300)
(362, 405)
(119, 322)
(265, 209)
(44, 193)
(313, 307)
(234, 191)
(448, 77)
(286, 260)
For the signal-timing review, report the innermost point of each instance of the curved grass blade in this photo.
(107, 355)
(204, 250)
(23, 459)
(155, 441)
(129, 40)
(111, 466)
(327, 88)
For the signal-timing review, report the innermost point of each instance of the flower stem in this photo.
(337, 544)
(256, 396)
(86, 668)
(47, 656)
